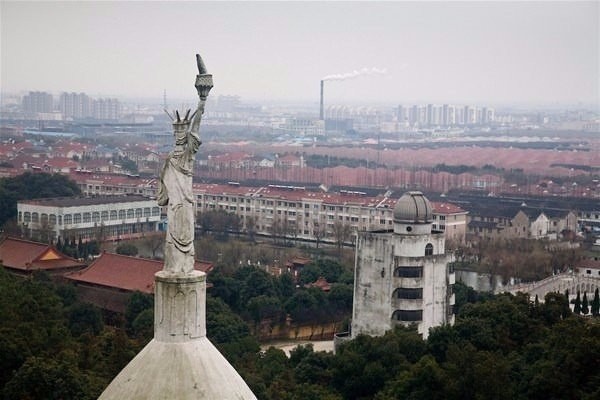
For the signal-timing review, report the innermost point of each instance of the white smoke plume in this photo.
(355, 73)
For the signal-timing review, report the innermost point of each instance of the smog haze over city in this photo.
(531, 53)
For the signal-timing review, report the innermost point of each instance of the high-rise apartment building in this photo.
(38, 102)
(106, 109)
(75, 105)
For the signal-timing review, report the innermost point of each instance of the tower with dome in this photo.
(403, 276)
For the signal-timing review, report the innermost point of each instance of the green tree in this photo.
(32, 186)
(577, 308)
(143, 325)
(128, 165)
(85, 318)
(286, 286)
(310, 273)
(47, 378)
(127, 249)
(596, 304)
(302, 306)
(585, 308)
(256, 283)
(555, 308)
(265, 307)
(251, 228)
(138, 302)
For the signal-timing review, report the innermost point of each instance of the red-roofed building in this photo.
(23, 257)
(451, 219)
(588, 267)
(230, 160)
(295, 265)
(110, 280)
(320, 283)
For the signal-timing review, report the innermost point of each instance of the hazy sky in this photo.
(482, 52)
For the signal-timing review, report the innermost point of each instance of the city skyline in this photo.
(491, 52)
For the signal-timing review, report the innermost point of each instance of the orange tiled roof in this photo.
(320, 283)
(125, 272)
(446, 208)
(25, 255)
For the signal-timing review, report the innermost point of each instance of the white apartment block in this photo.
(305, 213)
(301, 211)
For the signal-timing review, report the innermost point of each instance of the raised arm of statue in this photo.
(197, 117)
(175, 188)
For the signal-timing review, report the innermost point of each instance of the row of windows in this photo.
(211, 199)
(292, 213)
(95, 216)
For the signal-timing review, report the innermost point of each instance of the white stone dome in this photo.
(413, 208)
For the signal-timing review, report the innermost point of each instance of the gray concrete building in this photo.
(403, 276)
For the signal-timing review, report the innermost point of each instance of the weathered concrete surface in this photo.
(180, 362)
(182, 371)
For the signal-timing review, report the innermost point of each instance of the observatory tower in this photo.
(402, 276)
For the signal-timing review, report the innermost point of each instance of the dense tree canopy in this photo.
(32, 186)
(501, 347)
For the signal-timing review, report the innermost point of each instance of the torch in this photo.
(204, 81)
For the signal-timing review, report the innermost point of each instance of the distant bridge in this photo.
(556, 283)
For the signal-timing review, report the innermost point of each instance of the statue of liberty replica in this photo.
(180, 362)
(175, 190)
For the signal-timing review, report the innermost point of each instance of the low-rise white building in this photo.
(107, 217)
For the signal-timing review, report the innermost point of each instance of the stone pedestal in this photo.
(179, 306)
(180, 362)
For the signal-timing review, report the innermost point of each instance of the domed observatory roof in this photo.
(413, 208)
(413, 214)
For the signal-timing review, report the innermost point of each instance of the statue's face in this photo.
(179, 131)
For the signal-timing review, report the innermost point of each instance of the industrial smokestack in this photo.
(355, 73)
(321, 116)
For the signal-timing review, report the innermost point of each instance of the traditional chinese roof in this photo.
(298, 262)
(26, 256)
(125, 272)
(320, 283)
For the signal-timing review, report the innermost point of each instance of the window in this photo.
(408, 272)
(27, 216)
(77, 218)
(146, 211)
(122, 214)
(113, 215)
(35, 217)
(68, 219)
(429, 249)
(87, 217)
(138, 212)
(155, 211)
(130, 213)
(95, 216)
(104, 216)
(52, 219)
(408, 315)
(409, 293)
